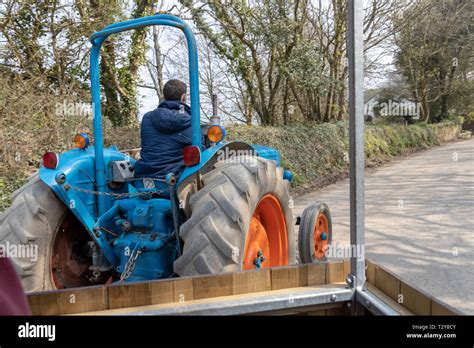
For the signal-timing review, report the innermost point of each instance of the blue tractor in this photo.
(92, 222)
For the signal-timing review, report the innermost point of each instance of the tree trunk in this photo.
(112, 103)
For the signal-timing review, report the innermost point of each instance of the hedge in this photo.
(316, 153)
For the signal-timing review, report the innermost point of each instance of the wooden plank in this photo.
(387, 283)
(289, 277)
(346, 268)
(213, 286)
(317, 313)
(116, 296)
(161, 292)
(44, 303)
(223, 300)
(251, 281)
(414, 300)
(68, 301)
(440, 308)
(83, 300)
(370, 272)
(338, 311)
(129, 295)
(316, 273)
(140, 294)
(335, 272)
(388, 300)
(183, 290)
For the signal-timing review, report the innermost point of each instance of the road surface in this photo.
(419, 220)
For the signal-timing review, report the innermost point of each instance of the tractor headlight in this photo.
(216, 133)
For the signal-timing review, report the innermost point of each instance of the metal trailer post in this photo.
(355, 52)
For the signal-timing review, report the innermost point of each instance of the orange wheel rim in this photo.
(321, 235)
(266, 244)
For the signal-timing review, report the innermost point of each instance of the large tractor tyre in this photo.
(240, 219)
(51, 241)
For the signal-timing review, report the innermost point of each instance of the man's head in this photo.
(175, 90)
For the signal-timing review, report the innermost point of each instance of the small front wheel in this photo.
(315, 233)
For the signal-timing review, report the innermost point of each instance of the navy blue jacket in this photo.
(165, 131)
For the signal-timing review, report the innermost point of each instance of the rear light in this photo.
(191, 155)
(50, 160)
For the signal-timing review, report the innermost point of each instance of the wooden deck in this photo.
(300, 289)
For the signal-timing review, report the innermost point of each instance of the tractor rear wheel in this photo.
(240, 219)
(37, 221)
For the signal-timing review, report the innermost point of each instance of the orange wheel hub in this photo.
(266, 244)
(321, 230)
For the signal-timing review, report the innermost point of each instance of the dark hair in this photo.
(174, 89)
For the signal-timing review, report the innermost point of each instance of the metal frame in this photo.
(253, 303)
(97, 39)
(372, 303)
(355, 53)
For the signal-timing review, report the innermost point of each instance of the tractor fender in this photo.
(74, 174)
(76, 169)
(222, 151)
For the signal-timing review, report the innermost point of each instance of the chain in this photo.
(112, 194)
(130, 265)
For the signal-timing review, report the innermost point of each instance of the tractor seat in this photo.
(152, 185)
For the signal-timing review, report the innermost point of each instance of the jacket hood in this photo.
(171, 117)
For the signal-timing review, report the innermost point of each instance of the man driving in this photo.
(165, 131)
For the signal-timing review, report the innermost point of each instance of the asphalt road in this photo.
(419, 220)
